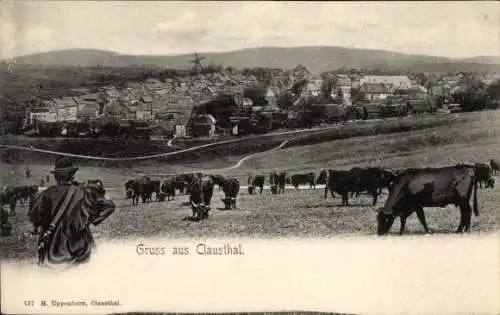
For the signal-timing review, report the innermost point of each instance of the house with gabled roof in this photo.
(401, 82)
(375, 91)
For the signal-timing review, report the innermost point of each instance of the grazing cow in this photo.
(484, 175)
(217, 179)
(303, 179)
(129, 188)
(231, 187)
(200, 195)
(495, 166)
(278, 180)
(257, 181)
(355, 180)
(430, 187)
(168, 188)
(8, 197)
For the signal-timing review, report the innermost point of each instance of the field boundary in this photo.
(168, 154)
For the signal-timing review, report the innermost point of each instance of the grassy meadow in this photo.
(449, 139)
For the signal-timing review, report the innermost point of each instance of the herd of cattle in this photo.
(409, 190)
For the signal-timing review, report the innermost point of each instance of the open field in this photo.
(215, 149)
(304, 213)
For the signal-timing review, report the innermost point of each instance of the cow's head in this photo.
(322, 177)
(384, 222)
(201, 210)
(250, 190)
(490, 182)
(274, 189)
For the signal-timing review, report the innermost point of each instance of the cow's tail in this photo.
(474, 202)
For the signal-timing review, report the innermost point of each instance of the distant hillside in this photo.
(316, 59)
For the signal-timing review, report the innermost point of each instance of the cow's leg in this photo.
(468, 215)
(345, 199)
(421, 218)
(375, 197)
(402, 219)
(331, 193)
(326, 191)
(462, 219)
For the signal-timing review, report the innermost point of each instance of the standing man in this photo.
(28, 172)
(64, 213)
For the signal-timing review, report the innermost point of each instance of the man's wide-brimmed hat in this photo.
(64, 165)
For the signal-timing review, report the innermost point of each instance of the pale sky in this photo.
(451, 29)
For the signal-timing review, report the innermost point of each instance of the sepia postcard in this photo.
(277, 157)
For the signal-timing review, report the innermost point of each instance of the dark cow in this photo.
(278, 180)
(484, 175)
(495, 166)
(355, 180)
(129, 188)
(430, 187)
(8, 198)
(385, 177)
(217, 179)
(303, 179)
(21, 194)
(200, 195)
(231, 187)
(168, 188)
(183, 181)
(142, 189)
(257, 181)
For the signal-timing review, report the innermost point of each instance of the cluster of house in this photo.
(445, 86)
(169, 104)
(171, 101)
